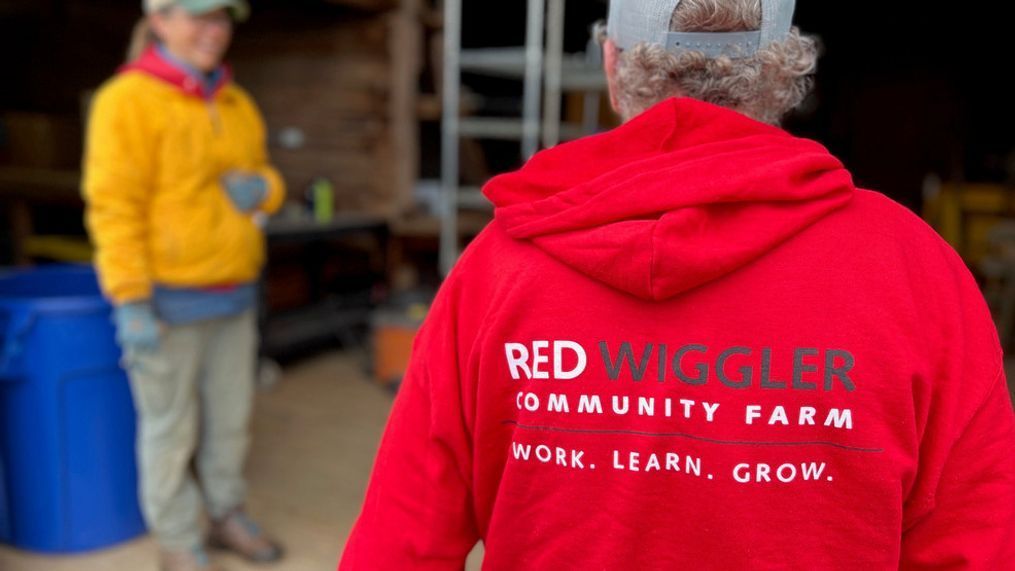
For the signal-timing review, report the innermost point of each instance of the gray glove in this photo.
(247, 191)
(136, 326)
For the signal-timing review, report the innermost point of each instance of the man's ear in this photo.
(610, 53)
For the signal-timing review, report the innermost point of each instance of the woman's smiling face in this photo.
(199, 40)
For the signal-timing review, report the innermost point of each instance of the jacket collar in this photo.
(155, 64)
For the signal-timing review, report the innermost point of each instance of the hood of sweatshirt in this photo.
(681, 195)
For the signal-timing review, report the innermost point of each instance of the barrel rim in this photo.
(58, 303)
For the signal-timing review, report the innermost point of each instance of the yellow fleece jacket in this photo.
(156, 208)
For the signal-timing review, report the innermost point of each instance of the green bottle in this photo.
(323, 199)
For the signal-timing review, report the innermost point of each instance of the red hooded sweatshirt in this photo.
(692, 343)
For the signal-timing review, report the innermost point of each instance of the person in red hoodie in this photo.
(693, 342)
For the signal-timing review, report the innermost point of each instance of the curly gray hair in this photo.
(765, 86)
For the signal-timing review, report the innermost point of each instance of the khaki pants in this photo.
(193, 398)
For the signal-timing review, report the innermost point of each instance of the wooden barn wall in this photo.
(338, 82)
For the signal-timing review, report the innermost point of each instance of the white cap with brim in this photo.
(631, 22)
(239, 9)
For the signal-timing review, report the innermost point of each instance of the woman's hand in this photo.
(246, 191)
(137, 328)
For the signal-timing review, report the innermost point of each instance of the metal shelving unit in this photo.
(546, 73)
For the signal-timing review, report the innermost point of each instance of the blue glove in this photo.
(245, 190)
(136, 326)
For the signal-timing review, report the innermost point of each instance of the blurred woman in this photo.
(176, 176)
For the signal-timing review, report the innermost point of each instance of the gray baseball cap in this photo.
(239, 9)
(632, 22)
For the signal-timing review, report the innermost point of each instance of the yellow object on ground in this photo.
(60, 248)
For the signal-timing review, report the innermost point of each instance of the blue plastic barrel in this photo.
(68, 478)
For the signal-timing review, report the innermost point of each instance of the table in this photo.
(328, 316)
